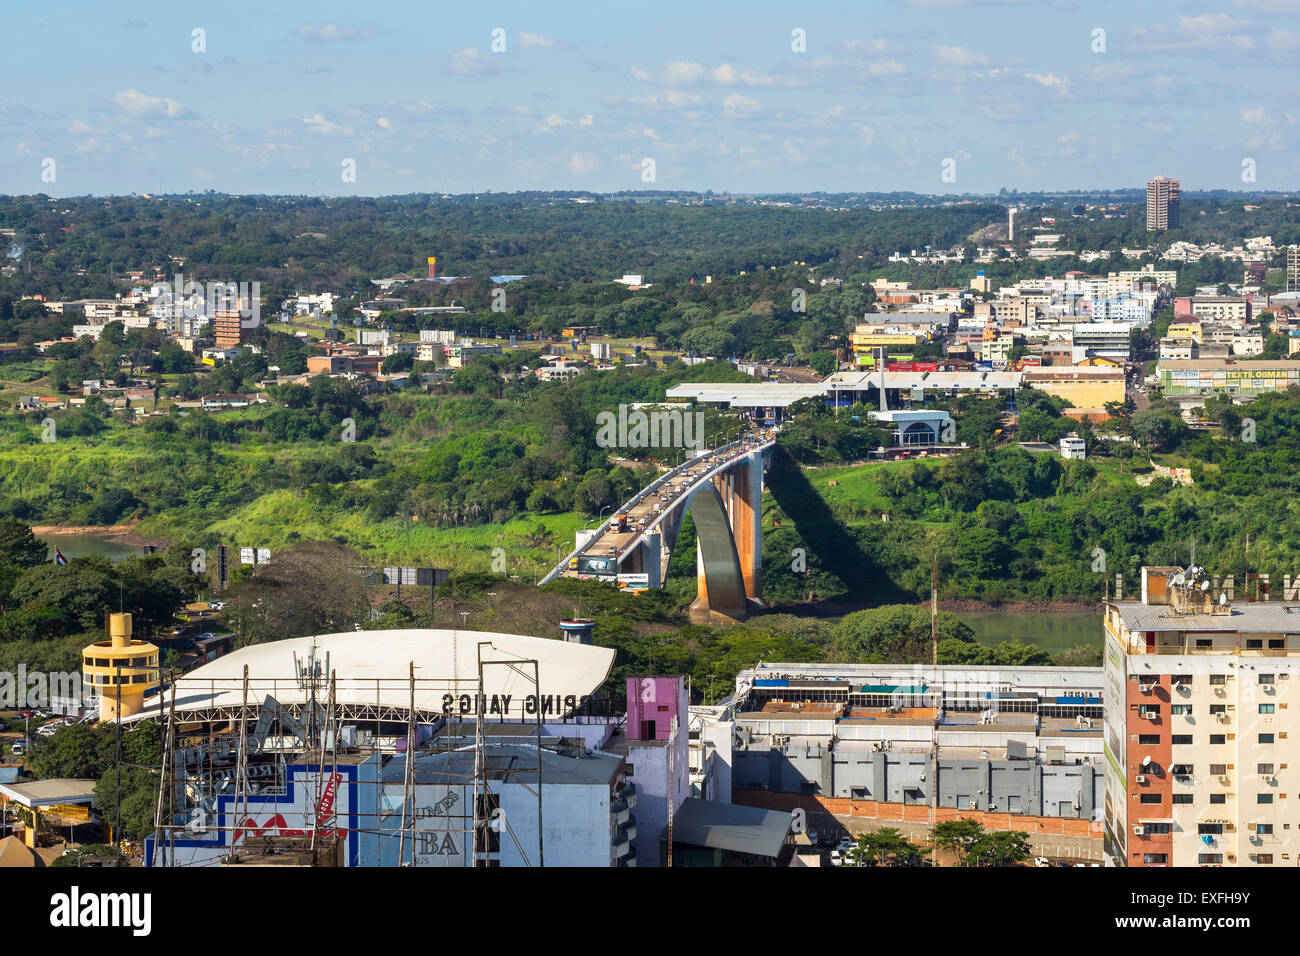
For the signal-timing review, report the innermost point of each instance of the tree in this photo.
(312, 588)
(999, 848)
(886, 847)
(823, 363)
(895, 633)
(957, 836)
(19, 546)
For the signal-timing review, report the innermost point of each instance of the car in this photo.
(217, 605)
(206, 635)
(18, 748)
(49, 730)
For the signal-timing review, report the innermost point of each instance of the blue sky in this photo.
(1017, 93)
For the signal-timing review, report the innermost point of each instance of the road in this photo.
(613, 541)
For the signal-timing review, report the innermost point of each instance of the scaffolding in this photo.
(214, 765)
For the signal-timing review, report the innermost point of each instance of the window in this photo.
(1159, 827)
(1181, 770)
(1181, 740)
(1150, 798)
(1218, 769)
(1218, 739)
(1148, 739)
(1180, 680)
(1264, 858)
(1265, 738)
(1266, 769)
(1264, 829)
(1218, 709)
(1149, 711)
(1266, 678)
(1181, 798)
(1214, 828)
(1218, 798)
(1181, 710)
(1155, 857)
(1276, 643)
(1254, 644)
(1204, 642)
(1263, 798)
(1210, 858)
(1217, 680)
(1266, 708)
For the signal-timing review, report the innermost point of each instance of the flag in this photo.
(59, 559)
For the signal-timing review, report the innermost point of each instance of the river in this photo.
(79, 545)
(1053, 631)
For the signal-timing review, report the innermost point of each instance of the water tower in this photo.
(120, 669)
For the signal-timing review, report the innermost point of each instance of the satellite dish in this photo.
(1180, 578)
(1146, 761)
(1223, 597)
(1205, 585)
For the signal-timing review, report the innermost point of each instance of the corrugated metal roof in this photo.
(1263, 617)
(729, 826)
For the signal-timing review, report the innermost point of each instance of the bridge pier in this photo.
(728, 548)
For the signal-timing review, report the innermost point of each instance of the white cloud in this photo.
(739, 105)
(583, 163)
(1284, 41)
(319, 124)
(468, 61)
(333, 33)
(135, 103)
(1050, 80)
(960, 56)
(537, 41)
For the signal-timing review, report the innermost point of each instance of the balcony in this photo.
(620, 845)
(628, 795)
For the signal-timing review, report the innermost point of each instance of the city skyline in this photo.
(931, 96)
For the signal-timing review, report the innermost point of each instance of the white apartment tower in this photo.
(1197, 689)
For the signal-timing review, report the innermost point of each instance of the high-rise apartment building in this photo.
(1293, 268)
(1196, 691)
(227, 328)
(1162, 203)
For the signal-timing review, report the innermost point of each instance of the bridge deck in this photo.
(648, 507)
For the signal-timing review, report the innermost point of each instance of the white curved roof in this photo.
(372, 669)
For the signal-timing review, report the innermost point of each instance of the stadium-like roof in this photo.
(372, 679)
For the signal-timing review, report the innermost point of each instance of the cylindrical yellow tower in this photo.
(120, 669)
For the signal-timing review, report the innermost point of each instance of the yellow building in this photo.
(1081, 386)
(120, 669)
(1185, 332)
(868, 337)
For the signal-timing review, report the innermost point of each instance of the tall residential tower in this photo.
(1162, 204)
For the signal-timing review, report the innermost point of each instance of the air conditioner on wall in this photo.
(1139, 830)
(1140, 779)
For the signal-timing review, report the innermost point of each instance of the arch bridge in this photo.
(722, 488)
